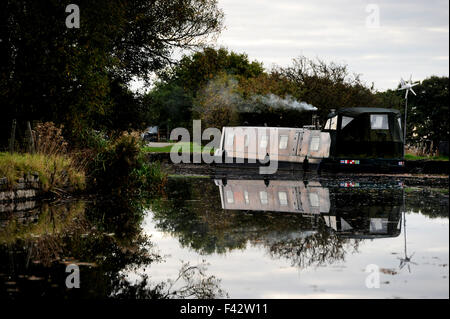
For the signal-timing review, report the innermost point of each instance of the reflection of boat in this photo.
(366, 226)
(350, 213)
(282, 196)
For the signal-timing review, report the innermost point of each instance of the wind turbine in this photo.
(407, 86)
(407, 260)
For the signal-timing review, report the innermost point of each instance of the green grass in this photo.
(181, 146)
(55, 171)
(411, 157)
(188, 176)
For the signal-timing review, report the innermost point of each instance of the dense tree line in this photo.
(222, 87)
(80, 77)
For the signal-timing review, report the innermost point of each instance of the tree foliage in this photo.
(327, 85)
(217, 103)
(191, 81)
(51, 72)
(194, 71)
(428, 112)
(427, 121)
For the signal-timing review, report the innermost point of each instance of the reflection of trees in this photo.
(433, 203)
(319, 249)
(105, 239)
(191, 282)
(199, 222)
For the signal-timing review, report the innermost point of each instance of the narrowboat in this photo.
(356, 137)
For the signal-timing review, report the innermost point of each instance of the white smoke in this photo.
(288, 102)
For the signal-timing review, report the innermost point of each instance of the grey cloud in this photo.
(412, 38)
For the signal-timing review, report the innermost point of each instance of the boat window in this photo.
(246, 197)
(230, 197)
(315, 143)
(331, 123)
(379, 122)
(345, 121)
(230, 139)
(283, 142)
(282, 197)
(263, 142)
(263, 197)
(314, 199)
(378, 225)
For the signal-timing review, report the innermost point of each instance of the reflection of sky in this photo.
(252, 273)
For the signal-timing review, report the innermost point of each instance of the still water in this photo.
(237, 237)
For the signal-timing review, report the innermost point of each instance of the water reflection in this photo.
(123, 246)
(306, 223)
(104, 239)
(369, 220)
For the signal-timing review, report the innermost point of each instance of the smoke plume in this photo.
(289, 102)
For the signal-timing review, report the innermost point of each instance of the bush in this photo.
(120, 166)
(49, 139)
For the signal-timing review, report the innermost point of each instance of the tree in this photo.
(168, 105)
(51, 72)
(127, 111)
(428, 112)
(391, 99)
(172, 100)
(327, 85)
(194, 71)
(217, 103)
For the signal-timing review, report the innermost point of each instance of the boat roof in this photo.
(355, 111)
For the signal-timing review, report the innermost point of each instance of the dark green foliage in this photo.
(170, 103)
(168, 106)
(428, 112)
(120, 166)
(74, 76)
(196, 70)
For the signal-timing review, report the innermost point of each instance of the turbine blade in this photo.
(413, 91)
(406, 94)
(410, 78)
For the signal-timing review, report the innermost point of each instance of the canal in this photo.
(237, 237)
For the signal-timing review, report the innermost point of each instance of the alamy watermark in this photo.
(373, 17)
(373, 279)
(237, 145)
(73, 279)
(73, 19)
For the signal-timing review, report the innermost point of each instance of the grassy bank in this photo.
(55, 171)
(412, 157)
(193, 148)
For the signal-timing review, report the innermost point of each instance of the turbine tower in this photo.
(407, 86)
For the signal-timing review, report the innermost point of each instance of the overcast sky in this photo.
(412, 36)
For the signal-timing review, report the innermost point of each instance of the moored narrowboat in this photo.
(356, 137)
